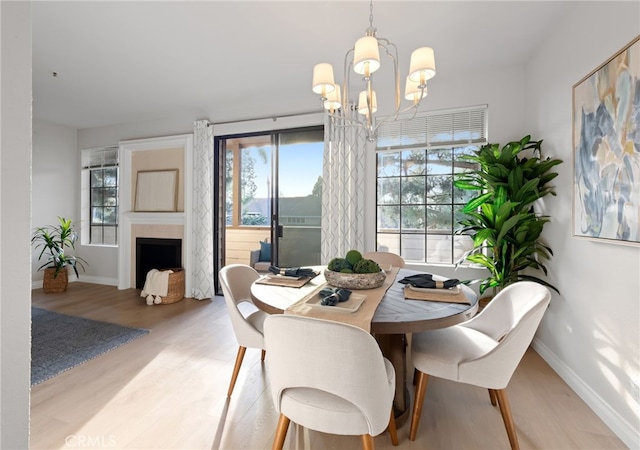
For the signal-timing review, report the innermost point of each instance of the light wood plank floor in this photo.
(167, 390)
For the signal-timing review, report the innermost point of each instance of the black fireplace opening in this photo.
(153, 253)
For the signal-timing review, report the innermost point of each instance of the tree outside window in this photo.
(418, 207)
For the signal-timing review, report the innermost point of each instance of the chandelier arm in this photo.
(349, 115)
(346, 80)
(369, 115)
(342, 122)
(353, 120)
(384, 43)
(394, 117)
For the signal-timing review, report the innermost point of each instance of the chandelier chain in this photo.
(371, 14)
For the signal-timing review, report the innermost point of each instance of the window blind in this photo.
(100, 157)
(436, 129)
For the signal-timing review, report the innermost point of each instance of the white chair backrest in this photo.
(506, 309)
(236, 280)
(512, 318)
(333, 357)
(385, 258)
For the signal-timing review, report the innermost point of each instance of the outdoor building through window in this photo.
(273, 192)
(100, 196)
(418, 208)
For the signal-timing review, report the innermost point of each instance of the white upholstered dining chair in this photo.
(330, 377)
(483, 351)
(385, 258)
(247, 320)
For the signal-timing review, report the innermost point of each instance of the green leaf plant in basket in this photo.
(53, 241)
(501, 219)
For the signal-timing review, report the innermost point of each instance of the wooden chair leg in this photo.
(236, 369)
(421, 389)
(281, 432)
(264, 353)
(505, 410)
(492, 396)
(367, 442)
(393, 430)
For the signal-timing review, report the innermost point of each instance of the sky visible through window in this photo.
(300, 167)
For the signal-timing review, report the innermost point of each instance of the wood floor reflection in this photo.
(167, 390)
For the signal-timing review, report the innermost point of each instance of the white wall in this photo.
(500, 88)
(15, 224)
(108, 136)
(55, 179)
(56, 192)
(591, 333)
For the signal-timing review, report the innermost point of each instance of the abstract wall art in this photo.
(606, 150)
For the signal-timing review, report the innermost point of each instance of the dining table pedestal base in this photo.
(393, 348)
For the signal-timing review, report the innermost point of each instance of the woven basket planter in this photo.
(175, 288)
(54, 284)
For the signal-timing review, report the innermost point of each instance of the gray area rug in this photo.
(60, 342)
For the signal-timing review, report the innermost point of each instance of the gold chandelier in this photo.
(364, 59)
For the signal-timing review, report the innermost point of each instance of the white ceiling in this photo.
(120, 62)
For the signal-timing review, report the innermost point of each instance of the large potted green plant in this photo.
(51, 240)
(501, 219)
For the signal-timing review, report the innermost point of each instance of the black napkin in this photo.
(293, 272)
(425, 280)
(331, 296)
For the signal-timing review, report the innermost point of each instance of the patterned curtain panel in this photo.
(343, 190)
(202, 229)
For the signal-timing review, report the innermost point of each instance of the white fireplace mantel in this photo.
(129, 218)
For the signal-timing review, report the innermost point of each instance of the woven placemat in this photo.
(275, 280)
(432, 296)
(360, 317)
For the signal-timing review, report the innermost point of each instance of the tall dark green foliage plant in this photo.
(501, 219)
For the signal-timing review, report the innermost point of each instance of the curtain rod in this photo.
(274, 118)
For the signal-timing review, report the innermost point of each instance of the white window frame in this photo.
(437, 130)
(95, 158)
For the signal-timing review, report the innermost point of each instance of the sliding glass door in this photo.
(299, 197)
(272, 192)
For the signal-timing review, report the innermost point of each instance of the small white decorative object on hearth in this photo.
(156, 286)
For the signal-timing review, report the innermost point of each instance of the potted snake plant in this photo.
(53, 241)
(501, 219)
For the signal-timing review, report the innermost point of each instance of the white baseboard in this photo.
(98, 280)
(37, 284)
(627, 433)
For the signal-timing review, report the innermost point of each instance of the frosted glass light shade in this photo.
(413, 92)
(362, 102)
(323, 79)
(333, 100)
(423, 65)
(366, 56)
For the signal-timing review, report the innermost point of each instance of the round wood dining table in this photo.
(393, 320)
